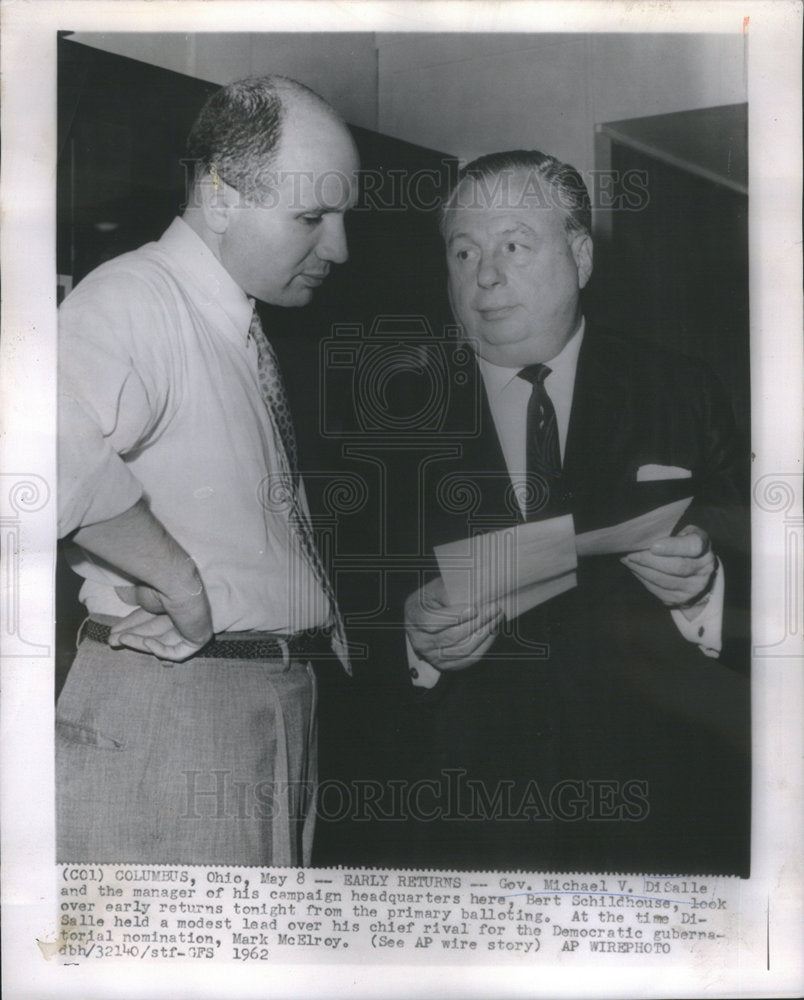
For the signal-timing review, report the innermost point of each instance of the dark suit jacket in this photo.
(592, 736)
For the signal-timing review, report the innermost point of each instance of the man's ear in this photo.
(215, 197)
(582, 252)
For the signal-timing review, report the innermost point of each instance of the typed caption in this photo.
(113, 912)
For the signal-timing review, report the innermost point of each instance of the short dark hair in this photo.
(571, 195)
(237, 132)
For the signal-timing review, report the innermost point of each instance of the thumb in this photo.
(704, 540)
(143, 597)
(127, 594)
(434, 595)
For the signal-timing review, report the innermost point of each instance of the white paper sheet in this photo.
(519, 567)
(523, 566)
(638, 533)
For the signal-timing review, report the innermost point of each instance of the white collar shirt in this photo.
(159, 398)
(508, 397)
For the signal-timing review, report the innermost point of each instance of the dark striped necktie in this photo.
(543, 454)
(276, 402)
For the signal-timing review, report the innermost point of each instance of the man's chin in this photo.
(302, 298)
(500, 336)
(292, 298)
(510, 352)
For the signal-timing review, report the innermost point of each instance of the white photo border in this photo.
(770, 917)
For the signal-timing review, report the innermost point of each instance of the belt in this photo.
(312, 644)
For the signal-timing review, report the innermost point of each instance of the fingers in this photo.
(671, 566)
(127, 594)
(456, 657)
(677, 570)
(456, 646)
(154, 634)
(429, 610)
(145, 597)
(453, 623)
(449, 647)
(460, 640)
(671, 588)
(173, 651)
(449, 637)
(192, 618)
(137, 621)
(690, 542)
(687, 554)
(451, 661)
(190, 615)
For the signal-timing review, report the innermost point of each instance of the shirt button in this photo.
(414, 673)
(700, 631)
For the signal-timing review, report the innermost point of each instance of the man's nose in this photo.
(332, 245)
(489, 273)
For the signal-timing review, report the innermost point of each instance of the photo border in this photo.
(770, 914)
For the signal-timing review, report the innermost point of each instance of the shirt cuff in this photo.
(422, 673)
(706, 628)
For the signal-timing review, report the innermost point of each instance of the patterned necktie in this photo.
(276, 402)
(543, 456)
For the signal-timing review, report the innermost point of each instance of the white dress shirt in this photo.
(159, 398)
(509, 396)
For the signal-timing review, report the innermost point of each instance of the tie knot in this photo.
(535, 374)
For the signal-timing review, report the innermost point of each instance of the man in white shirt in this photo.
(186, 727)
(619, 680)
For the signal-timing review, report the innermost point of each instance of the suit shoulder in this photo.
(647, 361)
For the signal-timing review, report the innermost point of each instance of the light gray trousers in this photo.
(207, 762)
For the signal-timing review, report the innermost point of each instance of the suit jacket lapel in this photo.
(598, 447)
(599, 457)
(484, 455)
(470, 491)
(602, 419)
(607, 439)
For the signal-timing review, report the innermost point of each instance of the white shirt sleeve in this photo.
(108, 402)
(706, 628)
(422, 673)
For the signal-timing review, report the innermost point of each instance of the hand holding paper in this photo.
(518, 567)
(448, 636)
(523, 566)
(635, 534)
(678, 570)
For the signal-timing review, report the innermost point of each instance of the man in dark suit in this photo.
(606, 729)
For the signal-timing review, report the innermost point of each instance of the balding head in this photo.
(275, 172)
(237, 134)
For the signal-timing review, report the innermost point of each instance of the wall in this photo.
(546, 91)
(341, 66)
(470, 93)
